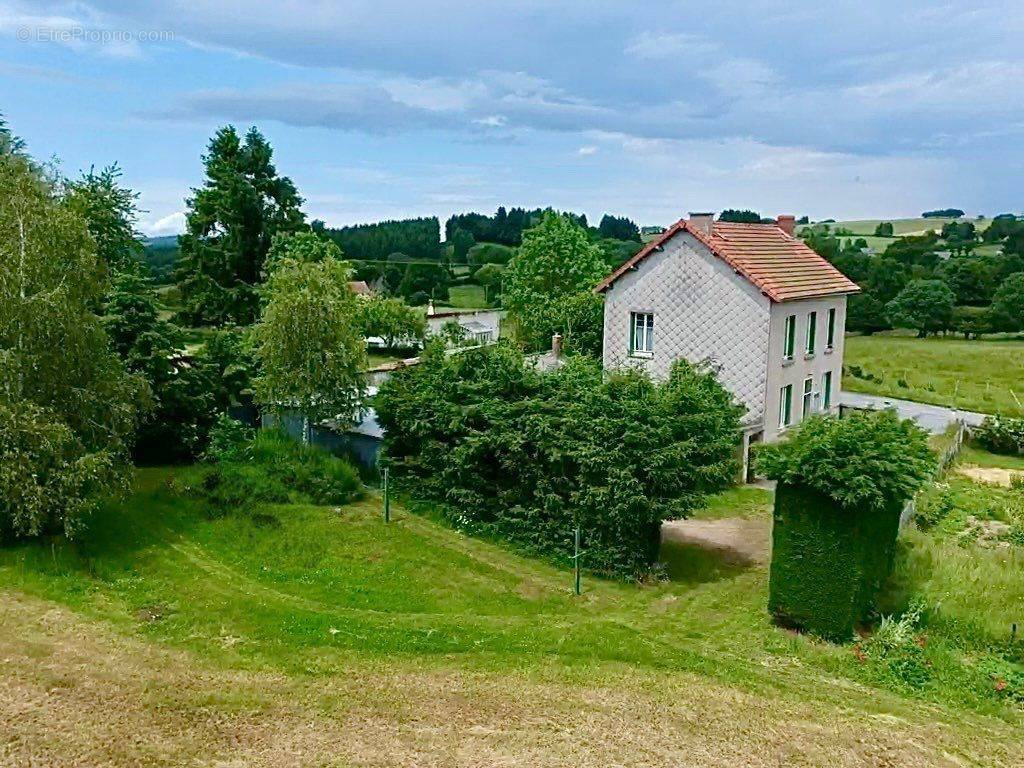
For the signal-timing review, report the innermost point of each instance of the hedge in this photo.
(526, 456)
(842, 485)
(828, 562)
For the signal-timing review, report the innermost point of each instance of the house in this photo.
(476, 326)
(752, 300)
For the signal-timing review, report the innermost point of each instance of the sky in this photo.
(396, 108)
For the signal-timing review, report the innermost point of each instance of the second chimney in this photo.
(787, 224)
(702, 222)
(556, 346)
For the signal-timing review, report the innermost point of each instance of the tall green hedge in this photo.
(842, 484)
(524, 455)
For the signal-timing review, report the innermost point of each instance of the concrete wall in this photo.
(796, 371)
(702, 311)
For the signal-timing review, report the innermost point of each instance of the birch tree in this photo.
(67, 406)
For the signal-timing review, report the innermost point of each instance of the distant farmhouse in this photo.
(753, 301)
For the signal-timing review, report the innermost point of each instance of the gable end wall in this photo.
(703, 311)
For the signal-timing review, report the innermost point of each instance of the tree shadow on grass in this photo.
(697, 563)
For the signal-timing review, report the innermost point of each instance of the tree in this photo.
(490, 276)
(943, 213)
(231, 222)
(110, 212)
(183, 389)
(304, 246)
(924, 305)
(555, 261)
(842, 485)
(618, 228)
(1008, 304)
(429, 279)
(308, 342)
(68, 408)
(866, 314)
(391, 319)
(461, 241)
(884, 229)
(740, 216)
(528, 456)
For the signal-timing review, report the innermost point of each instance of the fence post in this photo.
(387, 498)
(576, 557)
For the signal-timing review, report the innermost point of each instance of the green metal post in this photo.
(387, 498)
(576, 558)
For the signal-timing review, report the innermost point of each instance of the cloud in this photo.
(174, 224)
(587, 150)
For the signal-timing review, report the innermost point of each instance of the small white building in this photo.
(753, 301)
(477, 326)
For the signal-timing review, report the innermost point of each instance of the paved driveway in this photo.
(934, 418)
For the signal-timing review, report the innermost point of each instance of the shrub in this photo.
(1001, 435)
(228, 439)
(896, 651)
(527, 456)
(274, 468)
(842, 486)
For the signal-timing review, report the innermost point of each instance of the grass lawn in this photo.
(312, 635)
(985, 376)
(466, 297)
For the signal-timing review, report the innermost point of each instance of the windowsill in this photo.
(787, 361)
(829, 350)
(642, 355)
(808, 355)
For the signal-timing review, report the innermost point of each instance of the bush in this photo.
(490, 253)
(1000, 435)
(228, 439)
(842, 487)
(896, 651)
(527, 456)
(273, 468)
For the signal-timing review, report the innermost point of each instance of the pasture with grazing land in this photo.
(981, 375)
(304, 635)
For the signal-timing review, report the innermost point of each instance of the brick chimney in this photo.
(787, 224)
(702, 221)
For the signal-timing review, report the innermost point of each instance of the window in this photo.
(812, 331)
(826, 390)
(789, 341)
(808, 404)
(641, 333)
(830, 333)
(785, 406)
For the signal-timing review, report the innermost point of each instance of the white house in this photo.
(766, 311)
(477, 326)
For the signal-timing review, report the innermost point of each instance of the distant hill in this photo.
(160, 254)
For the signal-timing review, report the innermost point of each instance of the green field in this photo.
(466, 297)
(327, 633)
(982, 375)
(916, 226)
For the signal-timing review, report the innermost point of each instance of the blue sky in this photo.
(389, 108)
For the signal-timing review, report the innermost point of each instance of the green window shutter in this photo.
(790, 341)
(826, 390)
(812, 331)
(831, 334)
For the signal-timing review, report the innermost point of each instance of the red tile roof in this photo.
(780, 265)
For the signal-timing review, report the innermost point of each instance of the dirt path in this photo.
(739, 541)
(75, 693)
(991, 475)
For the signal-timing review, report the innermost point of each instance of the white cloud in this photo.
(587, 150)
(173, 224)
